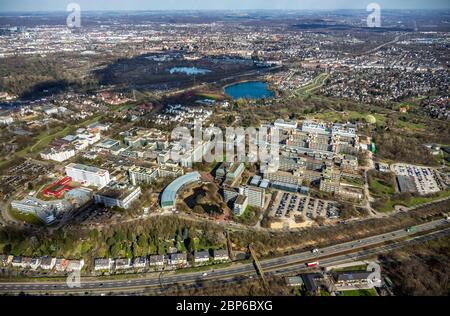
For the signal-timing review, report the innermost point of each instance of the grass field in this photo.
(28, 218)
(371, 292)
(389, 206)
(353, 268)
(334, 116)
(380, 187)
(45, 138)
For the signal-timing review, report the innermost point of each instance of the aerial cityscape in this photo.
(227, 149)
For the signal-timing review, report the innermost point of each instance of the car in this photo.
(205, 274)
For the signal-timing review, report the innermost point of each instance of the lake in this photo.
(188, 71)
(249, 90)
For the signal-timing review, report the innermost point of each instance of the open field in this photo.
(371, 292)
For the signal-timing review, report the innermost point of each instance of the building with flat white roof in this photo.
(142, 175)
(240, 205)
(117, 195)
(87, 175)
(280, 123)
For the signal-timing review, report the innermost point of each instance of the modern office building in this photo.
(118, 195)
(142, 175)
(87, 175)
(256, 195)
(169, 196)
(240, 205)
(280, 123)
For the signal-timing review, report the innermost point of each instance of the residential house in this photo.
(47, 263)
(75, 265)
(123, 264)
(201, 257)
(221, 255)
(178, 259)
(140, 262)
(61, 265)
(157, 261)
(103, 264)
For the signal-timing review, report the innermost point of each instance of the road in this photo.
(328, 256)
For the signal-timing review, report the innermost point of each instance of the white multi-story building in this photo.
(6, 120)
(315, 127)
(240, 205)
(256, 196)
(58, 155)
(117, 194)
(87, 175)
(142, 175)
(280, 123)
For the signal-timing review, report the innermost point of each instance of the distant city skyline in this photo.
(94, 5)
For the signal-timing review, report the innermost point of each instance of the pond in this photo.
(249, 90)
(189, 71)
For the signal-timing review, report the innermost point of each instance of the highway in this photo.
(328, 256)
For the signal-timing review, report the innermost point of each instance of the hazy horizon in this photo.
(204, 5)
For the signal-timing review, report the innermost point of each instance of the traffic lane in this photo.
(325, 262)
(266, 263)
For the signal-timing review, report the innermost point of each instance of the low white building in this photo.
(75, 265)
(123, 264)
(140, 262)
(221, 255)
(201, 257)
(47, 263)
(58, 155)
(178, 259)
(6, 120)
(157, 261)
(118, 195)
(103, 264)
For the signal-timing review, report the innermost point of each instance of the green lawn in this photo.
(353, 268)
(334, 116)
(371, 292)
(389, 206)
(28, 218)
(380, 187)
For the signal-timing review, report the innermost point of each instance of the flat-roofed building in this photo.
(256, 195)
(87, 175)
(117, 195)
(169, 196)
(240, 205)
(282, 176)
(406, 184)
(280, 123)
(139, 175)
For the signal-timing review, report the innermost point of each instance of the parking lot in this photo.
(289, 205)
(424, 177)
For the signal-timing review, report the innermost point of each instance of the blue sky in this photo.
(60, 5)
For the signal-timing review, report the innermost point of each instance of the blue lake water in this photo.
(189, 70)
(249, 90)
